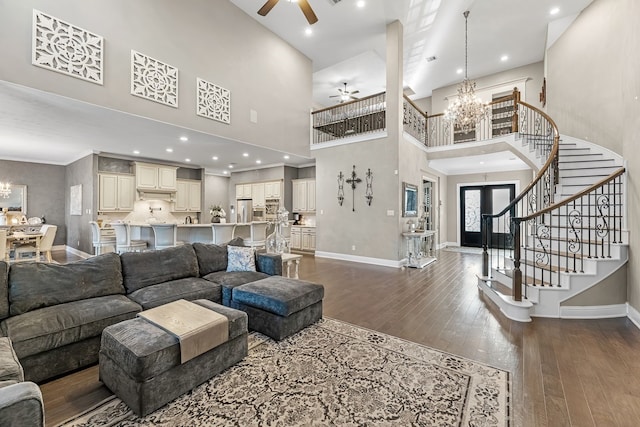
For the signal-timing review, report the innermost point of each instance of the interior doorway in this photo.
(476, 200)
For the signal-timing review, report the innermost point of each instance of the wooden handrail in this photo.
(575, 196)
(347, 103)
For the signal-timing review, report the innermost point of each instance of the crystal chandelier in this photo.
(467, 110)
(5, 190)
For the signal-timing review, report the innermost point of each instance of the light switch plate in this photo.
(391, 213)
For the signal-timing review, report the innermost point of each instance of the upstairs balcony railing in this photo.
(362, 116)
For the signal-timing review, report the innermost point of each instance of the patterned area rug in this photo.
(333, 373)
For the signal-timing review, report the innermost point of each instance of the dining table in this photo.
(23, 237)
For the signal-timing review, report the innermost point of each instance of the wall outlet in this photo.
(353, 247)
(253, 116)
(78, 243)
(391, 212)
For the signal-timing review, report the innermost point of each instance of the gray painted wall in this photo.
(213, 40)
(81, 172)
(593, 89)
(216, 191)
(46, 191)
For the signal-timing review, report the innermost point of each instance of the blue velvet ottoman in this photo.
(140, 362)
(278, 306)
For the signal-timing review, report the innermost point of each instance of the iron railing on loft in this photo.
(414, 121)
(357, 117)
(498, 235)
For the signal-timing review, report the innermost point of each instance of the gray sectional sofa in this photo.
(55, 314)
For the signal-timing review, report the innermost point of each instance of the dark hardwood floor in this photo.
(563, 372)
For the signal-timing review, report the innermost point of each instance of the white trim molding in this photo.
(633, 315)
(593, 312)
(361, 259)
(74, 251)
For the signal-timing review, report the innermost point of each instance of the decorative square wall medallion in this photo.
(153, 79)
(213, 102)
(65, 48)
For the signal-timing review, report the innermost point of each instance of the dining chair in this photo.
(3, 246)
(222, 233)
(123, 239)
(46, 243)
(100, 241)
(165, 235)
(258, 235)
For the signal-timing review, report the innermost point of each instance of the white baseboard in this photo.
(74, 251)
(593, 312)
(441, 246)
(633, 315)
(361, 259)
(447, 244)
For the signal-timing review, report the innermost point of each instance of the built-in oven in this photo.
(271, 208)
(259, 214)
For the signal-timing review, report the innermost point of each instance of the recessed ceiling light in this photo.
(482, 163)
(225, 172)
(459, 71)
(136, 151)
(187, 160)
(184, 139)
(308, 31)
(504, 58)
(361, 3)
(258, 161)
(230, 166)
(245, 154)
(169, 150)
(215, 157)
(286, 156)
(554, 11)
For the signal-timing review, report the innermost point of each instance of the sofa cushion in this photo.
(211, 257)
(10, 368)
(229, 280)
(52, 327)
(4, 290)
(142, 269)
(37, 285)
(279, 295)
(190, 288)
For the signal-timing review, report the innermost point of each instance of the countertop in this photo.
(205, 225)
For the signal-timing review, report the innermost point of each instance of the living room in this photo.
(48, 183)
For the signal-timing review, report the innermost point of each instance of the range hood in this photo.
(167, 196)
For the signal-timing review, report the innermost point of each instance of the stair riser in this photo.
(593, 250)
(567, 158)
(582, 180)
(582, 265)
(597, 169)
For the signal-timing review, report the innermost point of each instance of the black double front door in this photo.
(476, 200)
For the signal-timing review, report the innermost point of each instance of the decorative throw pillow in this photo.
(241, 258)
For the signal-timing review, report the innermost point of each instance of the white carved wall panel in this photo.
(213, 102)
(153, 79)
(66, 48)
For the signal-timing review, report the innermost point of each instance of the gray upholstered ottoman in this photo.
(140, 362)
(278, 306)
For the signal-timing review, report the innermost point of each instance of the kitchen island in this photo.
(188, 233)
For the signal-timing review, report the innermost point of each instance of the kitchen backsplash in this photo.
(141, 213)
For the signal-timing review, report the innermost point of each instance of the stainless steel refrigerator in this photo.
(245, 210)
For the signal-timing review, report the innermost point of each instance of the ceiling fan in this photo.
(304, 5)
(345, 95)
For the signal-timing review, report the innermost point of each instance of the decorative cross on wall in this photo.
(340, 188)
(354, 180)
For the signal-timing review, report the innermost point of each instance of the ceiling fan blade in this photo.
(308, 12)
(267, 7)
(334, 96)
(354, 92)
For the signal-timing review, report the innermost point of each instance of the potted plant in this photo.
(217, 213)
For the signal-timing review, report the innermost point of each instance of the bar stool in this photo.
(123, 239)
(165, 235)
(100, 241)
(258, 235)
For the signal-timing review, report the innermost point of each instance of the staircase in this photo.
(569, 231)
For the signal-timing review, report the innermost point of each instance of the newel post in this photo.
(514, 118)
(517, 273)
(485, 254)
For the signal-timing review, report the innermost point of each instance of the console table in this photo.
(419, 248)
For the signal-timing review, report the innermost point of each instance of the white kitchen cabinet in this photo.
(116, 193)
(257, 195)
(303, 238)
(188, 196)
(304, 195)
(243, 191)
(272, 190)
(152, 177)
